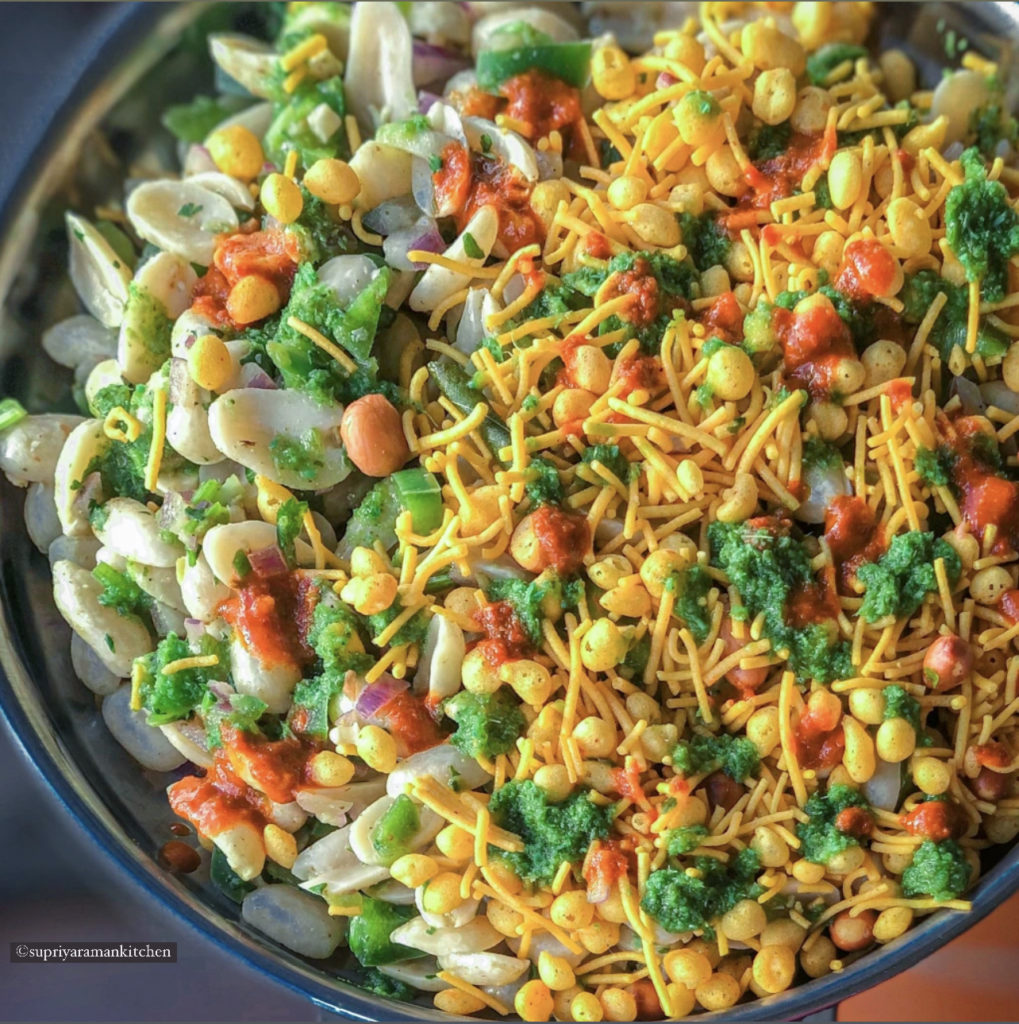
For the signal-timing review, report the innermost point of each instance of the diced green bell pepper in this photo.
(369, 933)
(569, 62)
(394, 829)
(420, 494)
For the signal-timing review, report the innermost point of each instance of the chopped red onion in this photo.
(435, 63)
(194, 629)
(423, 236)
(198, 160)
(665, 80)
(253, 376)
(267, 561)
(426, 99)
(376, 695)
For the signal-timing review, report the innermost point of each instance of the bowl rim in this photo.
(123, 28)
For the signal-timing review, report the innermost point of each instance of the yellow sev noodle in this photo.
(698, 456)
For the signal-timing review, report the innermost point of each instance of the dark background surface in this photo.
(54, 884)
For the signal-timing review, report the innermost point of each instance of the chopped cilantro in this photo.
(612, 458)
(767, 141)
(686, 839)
(821, 63)
(820, 838)
(983, 228)
(553, 834)
(305, 457)
(735, 755)
(320, 232)
(556, 299)
(529, 599)
(544, 487)
(472, 250)
(675, 281)
(411, 632)
(705, 240)
(192, 122)
(241, 710)
(949, 330)
(637, 656)
(900, 579)
(820, 454)
(822, 193)
(487, 724)
(899, 704)
(121, 465)
(435, 165)
(939, 870)
(121, 592)
(334, 638)
(766, 566)
(680, 902)
(302, 364)
(934, 467)
(373, 980)
(691, 586)
(990, 125)
(168, 698)
(289, 523)
(189, 210)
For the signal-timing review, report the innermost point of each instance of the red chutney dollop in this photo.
(607, 861)
(853, 534)
(411, 724)
(868, 269)
(779, 177)
(626, 780)
(272, 616)
(272, 254)
(812, 602)
(815, 339)
(647, 301)
(724, 318)
(538, 102)
(505, 636)
(855, 821)
(597, 246)
(276, 767)
(987, 499)
(564, 538)
(219, 800)
(467, 182)
(543, 104)
(934, 819)
(818, 747)
(638, 373)
(1008, 605)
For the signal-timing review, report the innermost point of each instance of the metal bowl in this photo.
(139, 59)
